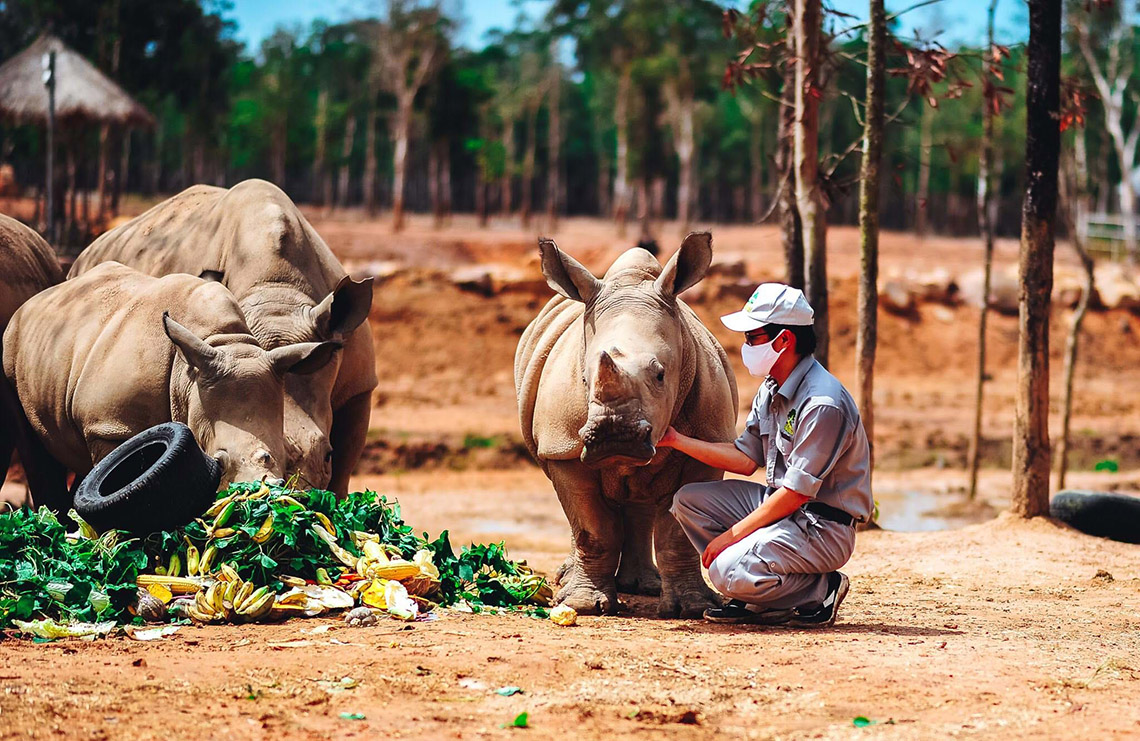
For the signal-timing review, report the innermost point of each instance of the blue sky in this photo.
(952, 22)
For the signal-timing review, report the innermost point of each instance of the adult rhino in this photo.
(290, 287)
(28, 265)
(98, 359)
(601, 374)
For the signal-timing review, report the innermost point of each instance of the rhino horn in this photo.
(608, 381)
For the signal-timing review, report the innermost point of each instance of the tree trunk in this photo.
(756, 162)
(925, 147)
(400, 157)
(346, 161)
(791, 230)
(508, 165)
(433, 185)
(621, 121)
(481, 200)
(120, 184)
(1073, 204)
(321, 124)
(445, 180)
(369, 182)
(554, 144)
(1030, 496)
(986, 227)
(686, 146)
(808, 196)
(528, 164)
(867, 338)
(101, 177)
(604, 202)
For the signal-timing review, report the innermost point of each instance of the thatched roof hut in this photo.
(83, 94)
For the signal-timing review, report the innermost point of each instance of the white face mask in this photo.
(759, 359)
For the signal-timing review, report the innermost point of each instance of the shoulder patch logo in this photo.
(790, 424)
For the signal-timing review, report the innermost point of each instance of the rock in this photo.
(1004, 289)
(897, 298)
(937, 286)
(1117, 288)
(473, 278)
(360, 616)
(727, 269)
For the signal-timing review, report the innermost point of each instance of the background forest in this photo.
(613, 106)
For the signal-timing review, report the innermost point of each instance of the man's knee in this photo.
(690, 496)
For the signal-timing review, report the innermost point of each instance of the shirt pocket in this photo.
(783, 444)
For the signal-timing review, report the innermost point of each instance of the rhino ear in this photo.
(344, 309)
(565, 274)
(687, 266)
(303, 358)
(194, 351)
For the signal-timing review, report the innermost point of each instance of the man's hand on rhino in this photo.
(725, 456)
(669, 439)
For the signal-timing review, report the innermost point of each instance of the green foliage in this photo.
(43, 574)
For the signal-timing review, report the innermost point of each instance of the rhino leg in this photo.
(586, 580)
(684, 592)
(637, 574)
(47, 479)
(348, 434)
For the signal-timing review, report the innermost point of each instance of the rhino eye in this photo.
(661, 376)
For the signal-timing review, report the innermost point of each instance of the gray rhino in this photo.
(28, 265)
(290, 287)
(98, 359)
(600, 374)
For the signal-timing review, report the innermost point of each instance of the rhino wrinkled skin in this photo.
(100, 358)
(28, 265)
(255, 241)
(600, 374)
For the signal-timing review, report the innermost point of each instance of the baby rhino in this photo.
(100, 358)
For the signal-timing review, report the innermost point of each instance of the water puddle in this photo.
(920, 511)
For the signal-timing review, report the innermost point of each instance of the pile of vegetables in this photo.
(308, 549)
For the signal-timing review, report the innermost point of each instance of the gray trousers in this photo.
(780, 566)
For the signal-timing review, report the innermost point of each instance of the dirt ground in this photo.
(998, 628)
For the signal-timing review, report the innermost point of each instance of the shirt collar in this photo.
(788, 388)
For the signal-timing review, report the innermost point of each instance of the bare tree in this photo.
(1030, 497)
(791, 229)
(554, 140)
(985, 224)
(321, 126)
(622, 193)
(408, 47)
(809, 198)
(1112, 77)
(867, 337)
(925, 150)
(680, 107)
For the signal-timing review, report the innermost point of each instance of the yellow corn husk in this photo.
(396, 570)
(291, 581)
(265, 530)
(160, 592)
(341, 554)
(176, 584)
(360, 537)
(260, 493)
(374, 595)
(423, 559)
(374, 551)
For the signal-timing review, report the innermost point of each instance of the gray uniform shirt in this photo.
(820, 448)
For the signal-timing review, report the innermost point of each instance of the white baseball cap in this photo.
(771, 303)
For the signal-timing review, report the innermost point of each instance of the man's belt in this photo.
(827, 512)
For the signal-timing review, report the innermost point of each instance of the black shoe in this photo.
(824, 615)
(737, 611)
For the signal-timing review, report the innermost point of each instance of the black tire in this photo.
(1113, 516)
(158, 480)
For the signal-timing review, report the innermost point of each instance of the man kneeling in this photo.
(775, 549)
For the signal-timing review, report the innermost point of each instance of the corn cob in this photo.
(176, 584)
